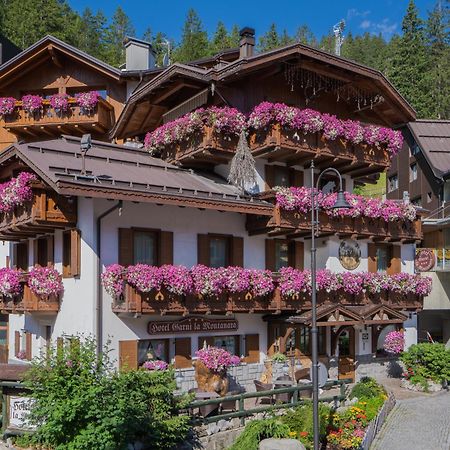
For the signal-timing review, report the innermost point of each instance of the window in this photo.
(228, 343)
(153, 349)
(429, 197)
(281, 176)
(414, 149)
(21, 256)
(417, 201)
(43, 251)
(392, 183)
(304, 343)
(382, 258)
(413, 172)
(145, 247)
(71, 253)
(219, 251)
(281, 254)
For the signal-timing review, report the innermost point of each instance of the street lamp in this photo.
(340, 203)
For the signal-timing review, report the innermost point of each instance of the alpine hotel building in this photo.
(115, 201)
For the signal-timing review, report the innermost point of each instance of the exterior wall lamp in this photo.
(341, 203)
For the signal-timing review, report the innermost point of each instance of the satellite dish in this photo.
(322, 374)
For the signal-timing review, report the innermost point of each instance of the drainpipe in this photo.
(99, 299)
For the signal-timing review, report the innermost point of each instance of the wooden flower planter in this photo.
(248, 303)
(337, 148)
(371, 154)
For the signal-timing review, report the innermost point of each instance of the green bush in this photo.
(429, 361)
(257, 430)
(81, 403)
(300, 422)
(366, 388)
(279, 357)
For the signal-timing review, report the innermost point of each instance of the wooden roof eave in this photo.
(163, 198)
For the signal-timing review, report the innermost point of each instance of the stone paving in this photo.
(421, 422)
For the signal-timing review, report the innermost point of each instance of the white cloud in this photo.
(385, 27)
(365, 24)
(353, 12)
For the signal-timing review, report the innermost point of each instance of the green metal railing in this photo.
(242, 413)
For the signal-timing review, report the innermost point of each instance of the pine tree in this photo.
(118, 30)
(305, 36)
(234, 37)
(194, 42)
(92, 33)
(409, 62)
(220, 39)
(270, 39)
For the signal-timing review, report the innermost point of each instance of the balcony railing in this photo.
(29, 302)
(45, 212)
(162, 303)
(50, 122)
(284, 222)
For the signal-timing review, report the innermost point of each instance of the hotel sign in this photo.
(192, 325)
(425, 259)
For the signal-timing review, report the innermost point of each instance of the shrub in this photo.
(257, 430)
(300, 422)
(367, 388)
(429, 361)
(81, 403)
(279, 357)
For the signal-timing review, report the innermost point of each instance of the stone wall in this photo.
(379, 368)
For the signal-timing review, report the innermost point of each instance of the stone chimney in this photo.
(139, 55)
(247, 42)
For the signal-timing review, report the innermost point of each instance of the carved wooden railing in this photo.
(162, 303)
(291, 222)
(46, 211)
(98, 120)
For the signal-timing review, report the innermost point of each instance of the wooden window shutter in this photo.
(395, 265)
(251, 348)
(183, 353)
(128, 355)
(28, 345)
(16, 342)
(270, 254)
(296, 254)
(296, 177)
(203, 249)
(50, 251)
(372, 258)
(166, 248)
(75, 253)
(126, 247)
(269, 172)
(237, 251)
(208, 339)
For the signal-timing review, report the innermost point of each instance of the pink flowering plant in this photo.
(299, 199)
(59, 102)
(293, 282)
(394, 342)
(32, 103)
(155, 365)
(143, 277)
(87, 101)
(45, 281)
(217, 359)
(10, 282)
(7, 105)
(113, 280)
(177, 279)
(208, 281)
(16, 192)
(21, 354)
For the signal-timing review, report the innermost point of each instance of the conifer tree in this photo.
(234, 37)
(305, 36)
(91, 35)
(194, 41)
(220, 39)
(270, 39)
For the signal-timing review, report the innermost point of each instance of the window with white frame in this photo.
(413, 172)
(393, 183)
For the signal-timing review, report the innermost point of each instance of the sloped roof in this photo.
(433, 138)
(124, 173)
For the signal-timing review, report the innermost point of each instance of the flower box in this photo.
(336, 148)
(372, 154)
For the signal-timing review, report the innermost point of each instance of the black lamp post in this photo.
(340, 203)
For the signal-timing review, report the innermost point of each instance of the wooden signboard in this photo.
(425, 259)
(192, 325)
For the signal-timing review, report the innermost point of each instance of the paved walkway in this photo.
(418, 423)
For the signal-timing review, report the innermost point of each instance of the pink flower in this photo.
(155, 365)
(87, 100)
(10, 282)
(113, 280)
(177, 279)
(59, 102)
(32, 103)
(394, 342)
(16, 192)
(216, 359)
(7, 105)
(45, 281)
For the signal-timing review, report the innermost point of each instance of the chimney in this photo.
(247, 42)
(139, 55)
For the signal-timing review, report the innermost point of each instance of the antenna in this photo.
(338, 31)
(166, 58)
(85, 145)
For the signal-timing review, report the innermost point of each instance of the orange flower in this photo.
(303, 433)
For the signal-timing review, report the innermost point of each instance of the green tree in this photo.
(304, 35)
(234, 36)
(409, 62)
(270, 39)
(194, 42)
(368, 49)
(220, 39)
(119, 28)
(91, 36)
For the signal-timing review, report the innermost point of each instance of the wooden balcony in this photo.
(164, 303)
(203, 147)
(293, 224)
(289, 146)
(28, 302)
(48, 122)
(44, 213)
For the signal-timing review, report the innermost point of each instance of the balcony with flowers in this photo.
(289, 134)
(39, 290)
(178, 290)
(386, 220)
(33, 116)
(28, 209)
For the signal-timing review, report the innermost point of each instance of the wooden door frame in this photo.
(352, 347)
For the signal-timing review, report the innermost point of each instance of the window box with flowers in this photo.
(43, 289)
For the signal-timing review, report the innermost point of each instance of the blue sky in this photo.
(376, 16)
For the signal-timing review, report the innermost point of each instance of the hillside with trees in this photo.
(417, 61)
